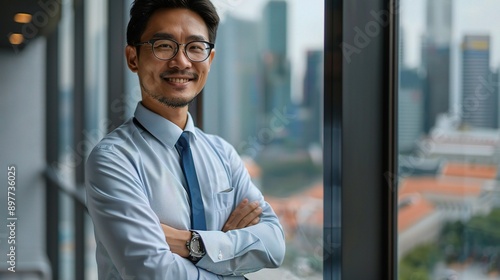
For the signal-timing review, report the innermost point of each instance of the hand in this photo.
(177, 239)
(246, 214)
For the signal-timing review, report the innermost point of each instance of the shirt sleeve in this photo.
(242, 251)
(126, 225)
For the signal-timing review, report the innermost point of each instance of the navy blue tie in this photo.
(193, 189)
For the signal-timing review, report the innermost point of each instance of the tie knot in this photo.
(184, 140)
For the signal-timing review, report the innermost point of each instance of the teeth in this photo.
(178, 80)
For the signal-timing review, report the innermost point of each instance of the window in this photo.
(264, 96)
(449, 137)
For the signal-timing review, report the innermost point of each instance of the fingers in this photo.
(245, 214)
(254, 221)
(234, 215)
(250, 217)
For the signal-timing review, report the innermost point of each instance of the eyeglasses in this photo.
(166, 49)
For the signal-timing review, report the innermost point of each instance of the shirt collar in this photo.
(161, 128)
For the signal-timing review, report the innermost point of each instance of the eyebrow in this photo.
(170, 36)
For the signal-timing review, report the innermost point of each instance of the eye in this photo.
(164, 45)
(197, 47)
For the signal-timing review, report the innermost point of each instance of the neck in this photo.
(178, 116)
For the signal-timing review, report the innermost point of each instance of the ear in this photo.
(132, 60)
(210, 58)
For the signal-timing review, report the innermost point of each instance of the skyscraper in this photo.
(276, 67)
(436, 60)
(312, 102)
(479, 103)
(410, 103)
(233, 88)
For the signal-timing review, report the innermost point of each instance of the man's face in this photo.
(177, 81)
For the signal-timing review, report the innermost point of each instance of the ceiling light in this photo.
(16, 39)
(22, 18)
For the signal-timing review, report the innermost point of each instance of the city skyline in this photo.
(468, 18)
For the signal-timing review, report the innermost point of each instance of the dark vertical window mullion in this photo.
(79, 128)
(332, 144)
(52, 143)
(392, 55)
(360, 140)
(116, 67)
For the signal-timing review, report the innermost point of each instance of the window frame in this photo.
(360, 141)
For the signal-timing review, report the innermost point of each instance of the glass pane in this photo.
(96, 104)
(264, 96)
(449, 140)
(67, 161)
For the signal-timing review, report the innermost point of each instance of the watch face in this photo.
(195, 247)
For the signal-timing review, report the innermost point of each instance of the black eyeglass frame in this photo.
(151, 42)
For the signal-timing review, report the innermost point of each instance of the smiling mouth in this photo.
(177, 80)
(176, 76)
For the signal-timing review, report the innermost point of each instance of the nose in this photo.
(180, 59)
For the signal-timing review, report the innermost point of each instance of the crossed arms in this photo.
(245, 215)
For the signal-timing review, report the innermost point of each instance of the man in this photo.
(167, 200)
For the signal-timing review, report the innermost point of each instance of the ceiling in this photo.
(45, 15)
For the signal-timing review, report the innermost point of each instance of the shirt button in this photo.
(220, 255)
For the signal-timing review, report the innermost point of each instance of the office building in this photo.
(312, 98)
(233, 89)
(276, 66)
(436, 60)
(411, 112)
(479, 104)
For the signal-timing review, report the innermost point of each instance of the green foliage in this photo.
(451, 241)
(419, 263)
(484, 231)
(475, 238)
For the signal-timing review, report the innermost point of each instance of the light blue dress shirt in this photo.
(134, 182)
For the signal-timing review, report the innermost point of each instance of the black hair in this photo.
(142, 10)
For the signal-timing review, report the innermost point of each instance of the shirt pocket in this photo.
(223, 202)
(224, 199)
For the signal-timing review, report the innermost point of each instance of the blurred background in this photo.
(64, 85)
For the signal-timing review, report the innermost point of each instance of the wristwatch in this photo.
(195, 247)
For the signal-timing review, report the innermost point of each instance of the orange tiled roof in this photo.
(470, 170)
(411, 214)
(288, 209)
(445, 186)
